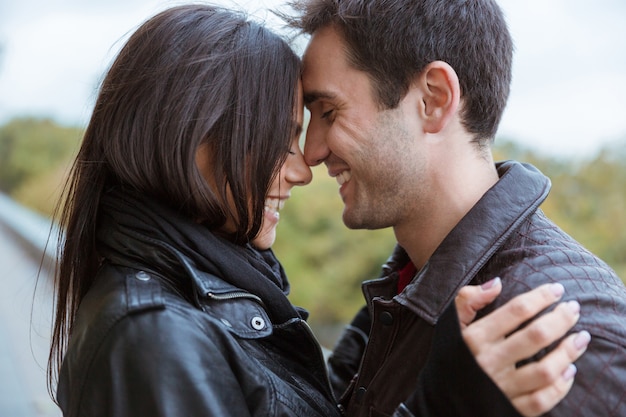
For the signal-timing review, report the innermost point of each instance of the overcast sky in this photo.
(568, 95)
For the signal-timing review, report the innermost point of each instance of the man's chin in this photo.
(351, 221)
(357, 221)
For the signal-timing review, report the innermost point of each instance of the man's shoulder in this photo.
(539, 242)
(543, 253)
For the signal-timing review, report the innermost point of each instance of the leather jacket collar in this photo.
(518, 194)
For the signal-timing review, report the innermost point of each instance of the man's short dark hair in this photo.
(393, 41)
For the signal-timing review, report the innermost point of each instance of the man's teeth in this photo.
(343, 177)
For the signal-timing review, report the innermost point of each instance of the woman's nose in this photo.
(297, 172)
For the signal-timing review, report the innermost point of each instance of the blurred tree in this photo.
(325, 261)
(587, 199)
(31, 150)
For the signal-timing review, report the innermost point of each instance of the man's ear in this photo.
(441, 94)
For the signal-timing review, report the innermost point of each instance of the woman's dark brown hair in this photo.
(192, 75)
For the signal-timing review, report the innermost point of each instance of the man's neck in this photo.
(458, 187)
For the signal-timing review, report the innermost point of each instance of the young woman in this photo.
(169, 298)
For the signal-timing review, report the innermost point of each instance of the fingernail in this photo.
(490, 284)
(573, 306)
(582, 339)
(557, 289)
(570, 372)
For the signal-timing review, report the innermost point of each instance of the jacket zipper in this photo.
(233, 296)
(320, 354)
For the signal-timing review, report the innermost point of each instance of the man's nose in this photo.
(315, 148)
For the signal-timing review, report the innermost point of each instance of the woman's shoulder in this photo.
(129, 305)
(127, 315)
(118, 292)
(130, 328)
(123, 294)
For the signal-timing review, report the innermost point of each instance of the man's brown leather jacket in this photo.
(504, 235)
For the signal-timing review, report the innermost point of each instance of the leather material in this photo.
(504, 235)
(140, 349)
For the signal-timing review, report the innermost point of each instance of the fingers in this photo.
(498, 344)
(542, 331)
(511, 315)
(554, 375)
(526, 342)
(540, 402)
(473, 298)
(549, 371)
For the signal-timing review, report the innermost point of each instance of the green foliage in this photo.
(588, 198)
(33, 156)
(325, 261)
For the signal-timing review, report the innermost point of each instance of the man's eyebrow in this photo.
(313, 96)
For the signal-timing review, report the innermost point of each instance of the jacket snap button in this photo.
(142, 276)
(360, 393)
(257, 323)
(386, 318)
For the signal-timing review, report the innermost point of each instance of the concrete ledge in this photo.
(37, 233)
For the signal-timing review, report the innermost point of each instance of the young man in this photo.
(405, 100)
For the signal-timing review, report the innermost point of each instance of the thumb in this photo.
(472, 298)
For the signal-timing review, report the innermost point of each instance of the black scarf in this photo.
(137, 230)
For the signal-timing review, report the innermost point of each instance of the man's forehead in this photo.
(322, 64)
(323, 42)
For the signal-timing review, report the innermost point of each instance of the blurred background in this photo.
(566, 115)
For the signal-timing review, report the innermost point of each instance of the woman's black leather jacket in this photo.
(140, 348)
